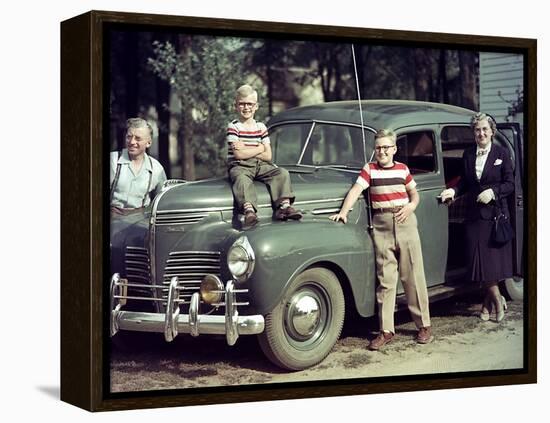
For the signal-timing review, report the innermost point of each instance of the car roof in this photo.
(378, 114)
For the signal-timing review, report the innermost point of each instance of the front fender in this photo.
(127, 231)
(284, 249)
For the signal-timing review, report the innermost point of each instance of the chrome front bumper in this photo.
(172, 322)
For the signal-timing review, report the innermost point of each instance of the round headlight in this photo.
(211, 289)
(237, 260)
(240, 259)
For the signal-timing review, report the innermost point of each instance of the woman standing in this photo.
(487, 180)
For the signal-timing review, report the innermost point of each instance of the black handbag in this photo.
(502, 228)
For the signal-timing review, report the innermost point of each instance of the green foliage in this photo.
(204, 72)
(516, 106)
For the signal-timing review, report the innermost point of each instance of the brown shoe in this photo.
(287, 213)
(424, 335)
(250, 219)
(292, 213)
(382, 339)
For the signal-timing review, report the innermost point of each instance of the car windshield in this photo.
(320, 144)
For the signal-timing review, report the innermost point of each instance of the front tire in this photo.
(303, 328)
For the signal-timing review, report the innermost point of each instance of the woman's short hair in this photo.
(139, 123)
(385, 133)
(479, 116)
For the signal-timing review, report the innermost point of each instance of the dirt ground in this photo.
(143, 361)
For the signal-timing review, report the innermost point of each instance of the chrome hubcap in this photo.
(303, 315)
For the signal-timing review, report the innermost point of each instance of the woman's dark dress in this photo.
(487, 262)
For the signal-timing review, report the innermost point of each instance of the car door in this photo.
(417, 147)
(511, 133)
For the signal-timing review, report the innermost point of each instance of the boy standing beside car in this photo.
(396, 241)
(249, 160)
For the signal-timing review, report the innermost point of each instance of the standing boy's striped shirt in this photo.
(251, 137)
(388, 185)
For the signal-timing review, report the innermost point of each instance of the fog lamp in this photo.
(211, 289)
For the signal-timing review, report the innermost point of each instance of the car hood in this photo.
(309, 184)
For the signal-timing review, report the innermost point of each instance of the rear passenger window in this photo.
(454, 139)
(416, 150)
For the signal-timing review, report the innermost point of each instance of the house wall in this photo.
(500, 82)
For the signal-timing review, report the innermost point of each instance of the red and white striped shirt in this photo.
(389, 185)
(251, 137)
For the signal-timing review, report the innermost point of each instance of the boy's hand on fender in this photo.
(340, 216)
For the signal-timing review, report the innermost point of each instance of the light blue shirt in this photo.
(133, 190)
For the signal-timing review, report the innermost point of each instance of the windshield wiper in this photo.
(292, 167)
(354, 166)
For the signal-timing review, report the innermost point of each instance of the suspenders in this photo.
(149, 184)
(115, 181)
(117, 175)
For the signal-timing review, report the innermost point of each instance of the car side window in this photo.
(335, 145)
(416, 150)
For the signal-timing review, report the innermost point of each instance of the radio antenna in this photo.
(359, 101)
(367, 199)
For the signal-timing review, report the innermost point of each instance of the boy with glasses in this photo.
(396, 241)
(249, 159)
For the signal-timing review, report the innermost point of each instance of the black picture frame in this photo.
(84, 217)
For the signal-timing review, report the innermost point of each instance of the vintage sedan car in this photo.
(185, 265)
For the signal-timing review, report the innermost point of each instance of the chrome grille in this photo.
(138, 270)
(190, 267)
(179, 217)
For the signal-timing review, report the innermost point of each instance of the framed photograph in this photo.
(261, 210)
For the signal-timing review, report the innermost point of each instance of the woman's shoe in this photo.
(485, 312)
(501, 310)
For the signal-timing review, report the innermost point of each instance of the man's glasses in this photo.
(384, 148)
(242, 105)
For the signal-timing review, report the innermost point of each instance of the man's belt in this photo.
(387, 210)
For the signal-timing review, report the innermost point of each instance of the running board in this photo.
(439, 292)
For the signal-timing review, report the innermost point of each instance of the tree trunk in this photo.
(162, 105)
(468, 87)
(423, 75)
(130, 68)
(442, 66)
(321, 72)
(269, 77)
(185, 132)
(163, 112)
(362, 55)
(185, 135)
(337, 86)
(359, 72)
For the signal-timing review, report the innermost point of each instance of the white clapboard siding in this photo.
(499, 72)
